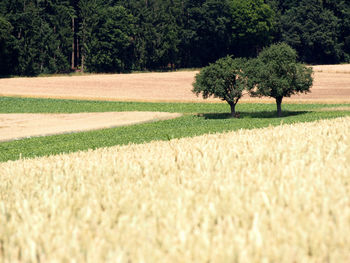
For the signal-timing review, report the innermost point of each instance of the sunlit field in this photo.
(330, 85)
(277, 194)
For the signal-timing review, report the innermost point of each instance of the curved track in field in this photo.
(24, 125)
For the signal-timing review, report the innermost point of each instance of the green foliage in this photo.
(253, 22)
(157, 33)
(111, 47)
(5, 29)
(224, 79)
(88, 14)
(58, 36)
(205, 118)
(39, 38)
(211, 23)
(5, 45)
(313, 31)
(277, 74)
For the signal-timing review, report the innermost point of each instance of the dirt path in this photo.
(331, 84)
(16, 126)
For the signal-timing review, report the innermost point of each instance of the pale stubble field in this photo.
(332, 84)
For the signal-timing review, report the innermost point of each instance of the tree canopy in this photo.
(277, 74)
(224, 79)
(53, 36)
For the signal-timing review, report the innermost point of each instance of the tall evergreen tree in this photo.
(6, 47)
(253, 23)
(313, 31)
(341, 9)
(49, 36)
(110, 45)
(58, 14)
(88, 15)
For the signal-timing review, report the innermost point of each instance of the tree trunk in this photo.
(77, 51)
(83, 50)
(82, 63)
(233, 110)
(73, 45)
(279, 106)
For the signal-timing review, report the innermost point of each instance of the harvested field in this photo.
(269, 195)
(16, 126)
(332, 84)
(343, 68)
(174, 86)
(328, 86)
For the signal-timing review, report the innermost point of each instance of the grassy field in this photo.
(278, 194)
(198, 119)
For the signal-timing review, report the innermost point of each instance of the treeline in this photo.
(55, 36)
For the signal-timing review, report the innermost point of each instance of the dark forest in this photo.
(61, 36)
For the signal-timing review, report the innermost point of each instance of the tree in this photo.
(5, 46)
(39, 38)
(88, 14)
(253, 23)
(224, 79)
(111, 45)
(342, 10)
(277, 74)
(58, 14)
(49, 36)
(214, 31)
(28, 27)
(313, 31)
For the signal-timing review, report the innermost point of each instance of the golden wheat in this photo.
(277, 194)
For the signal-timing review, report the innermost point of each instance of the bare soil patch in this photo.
(16, 126)
(331, 84)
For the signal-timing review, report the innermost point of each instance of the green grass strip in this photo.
(198, 119)
(28, 105)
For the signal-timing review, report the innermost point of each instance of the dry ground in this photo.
(278, 194)
(16, 126)
(332, 84)
(344, 68)
(136, 87)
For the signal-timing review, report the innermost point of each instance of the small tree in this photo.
(277, 74)
(224, 79)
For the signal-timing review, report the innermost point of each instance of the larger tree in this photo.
(277, 74)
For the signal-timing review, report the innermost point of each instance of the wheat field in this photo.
(279, 194)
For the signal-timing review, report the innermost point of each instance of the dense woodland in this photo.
(58, 36)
